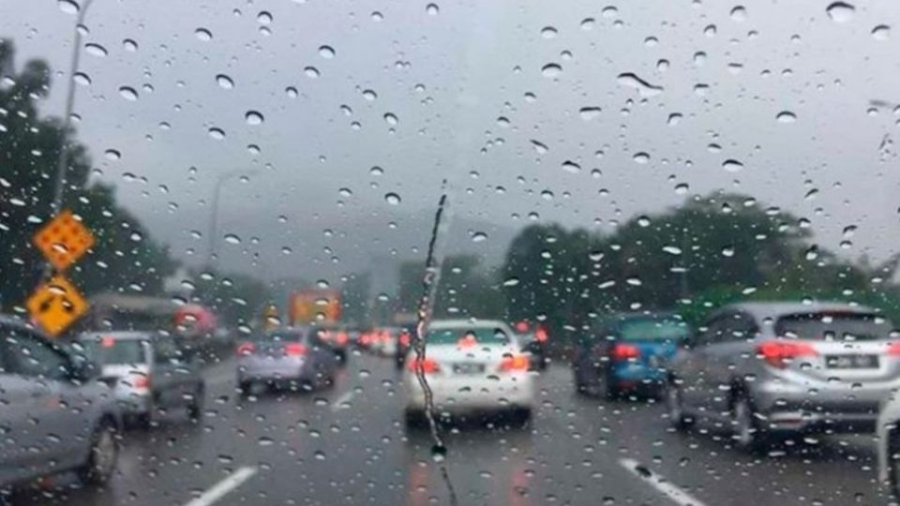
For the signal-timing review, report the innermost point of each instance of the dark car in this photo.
(628, 352)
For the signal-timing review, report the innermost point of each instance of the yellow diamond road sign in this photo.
(55, 305)
(64, 240)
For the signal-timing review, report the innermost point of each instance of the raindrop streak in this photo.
(551, 70)
(392, 199)
(732, 165)
(786, 117)
(644, 88)
(589, 113)
(326, 52)
(69, 6)
(224, 81)
(840, 12)
(95, 49)
(203, 34)
(128, 93)
(254, 118)
(881, 32)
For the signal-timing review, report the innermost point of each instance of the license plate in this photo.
(468, 368)
(851, 361)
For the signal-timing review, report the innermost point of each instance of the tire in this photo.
(520, 418)
(245, 388)
(674, 397)
(893, 445)
(414, 420)
(103, 455)
(195, 408)
(746, 433)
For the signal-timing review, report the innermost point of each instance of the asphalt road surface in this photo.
(348, 445)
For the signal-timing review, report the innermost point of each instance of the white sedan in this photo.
(470, 366)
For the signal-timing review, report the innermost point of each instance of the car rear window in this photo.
(482, 335)
(105, 350)
(653, 330)
(834, 327)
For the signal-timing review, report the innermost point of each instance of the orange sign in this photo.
(56, 305)
(64, 240)
(316, 305)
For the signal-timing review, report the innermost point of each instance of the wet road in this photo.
(348, 445)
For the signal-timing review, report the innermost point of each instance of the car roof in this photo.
(776, 309)
(466, 324)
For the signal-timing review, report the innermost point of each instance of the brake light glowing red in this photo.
(622, 351)
(295, 349)
(140, 382)
(245, 348)
(404, 338)
(779, 353)
(342, 338)
(514, 363)
(427, 366)
(894, 348)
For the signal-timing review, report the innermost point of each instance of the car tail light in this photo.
(894, 348)
(779, 353)
(245, 348)
(428, 365)
(514, 363)
(140, 382)
(294, 349)
(342, 338)
(621, 351)
(404, 339)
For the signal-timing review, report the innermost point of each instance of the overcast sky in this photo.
(468, 88)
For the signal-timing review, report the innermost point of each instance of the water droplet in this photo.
(881, 32)
(840, 12)
(69, 6)
(311, 72)
(672, 250)
(326, 52)
(377, 16)
(674, 118)
(432, 9)
(392, 199)
(548, 32)
(479, 237)
(644, 88)
(588, 23)
(291, 92)
(390, 119)
(265, 441)
(376, 171)
(728, 251)
(511, 282)
(217, 133)
(130, 45)
(82, 79)
(254, 118)
(112, 154)
(345, 192)
(203, 34)
(547, 195)
(224, 81)
(570, 166)
(95, 49)
(589, 113)
(540, 147)
(551, 70)
(253, 149)
(710, 30)
(786, 117)
(641, 157)
(369, 95)
(609, 12)
(128, 93)
(232, 239)
(682, 188)
(732, 165)
(739, 13)
(264, 18)
(849, 231)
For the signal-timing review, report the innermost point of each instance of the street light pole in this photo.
(213, 230)
(63, 160)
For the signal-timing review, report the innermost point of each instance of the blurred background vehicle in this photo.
(151, 373)
(628, 352)
(294, 358)
(472, 367)
(40, 384)
(338, 339)
(769, 368)
(534, 340)
(404, 345)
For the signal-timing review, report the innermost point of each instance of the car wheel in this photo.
(245, 388)
(102, 457)
(675, 407)
(746, 433)
(521, 418)
(414, 420)
(195, 408)
(893, 447)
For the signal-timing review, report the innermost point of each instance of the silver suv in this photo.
(55, 415)
(771, 367)
(151, 371)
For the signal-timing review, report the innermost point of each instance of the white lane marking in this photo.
(340, 401)
(661, 484)
(219, 490)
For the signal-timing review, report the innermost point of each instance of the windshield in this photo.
(111, 351)
(653, 330)
(836, 327)
(637, 193)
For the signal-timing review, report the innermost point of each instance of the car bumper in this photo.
(265, 369)
(468, 394)
(132, 403)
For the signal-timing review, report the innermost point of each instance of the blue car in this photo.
(628, 352)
